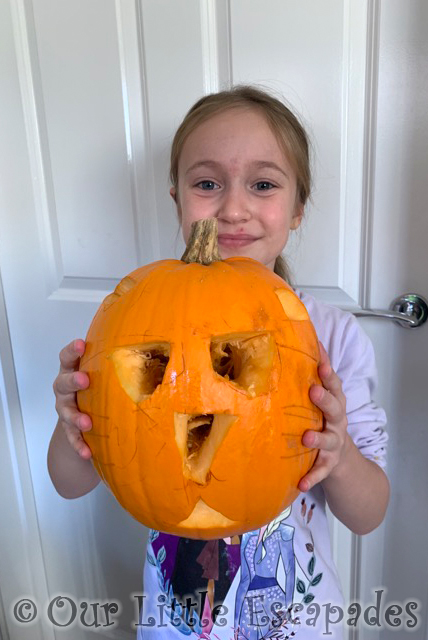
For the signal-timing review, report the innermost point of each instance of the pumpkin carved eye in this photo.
(244, 359)
(141, 368)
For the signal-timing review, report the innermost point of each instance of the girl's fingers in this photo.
(76, 441)
(318, 473)
(70, 355)
(323, 440)
(329, 377)
(328, 397)
(66, 384)
(331, 381)
(65, 387)
(69, 383)
(331, 406)
(323, 353)
(324, 366)
(73, 418)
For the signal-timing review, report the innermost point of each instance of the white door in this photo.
(91, 93)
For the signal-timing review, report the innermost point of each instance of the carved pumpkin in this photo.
(199, 379)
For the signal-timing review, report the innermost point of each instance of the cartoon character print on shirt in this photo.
(196, 575)
(267, 603)
(261, 602)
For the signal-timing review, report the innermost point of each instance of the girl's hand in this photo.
(68, 381)
(332, 441)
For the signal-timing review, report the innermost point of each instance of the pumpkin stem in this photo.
(202, 246)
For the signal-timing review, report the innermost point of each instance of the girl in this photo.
(242, 156)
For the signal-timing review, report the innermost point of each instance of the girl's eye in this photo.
(207, 185)
(264, 185)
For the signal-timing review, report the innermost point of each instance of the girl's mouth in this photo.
(230, 240)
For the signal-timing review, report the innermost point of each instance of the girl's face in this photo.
(231, 167)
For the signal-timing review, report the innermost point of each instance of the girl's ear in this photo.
(297, 217)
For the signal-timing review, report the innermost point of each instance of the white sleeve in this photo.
(356, 367)
(352, 357)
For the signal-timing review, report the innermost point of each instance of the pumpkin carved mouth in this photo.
(198, 438)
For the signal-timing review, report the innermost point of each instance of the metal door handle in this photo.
(409, 310)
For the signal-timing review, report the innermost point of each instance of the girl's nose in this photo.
(234, 206)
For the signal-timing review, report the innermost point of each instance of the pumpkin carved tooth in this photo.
(204, 517)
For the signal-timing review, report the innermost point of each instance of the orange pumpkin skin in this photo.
(139, 446)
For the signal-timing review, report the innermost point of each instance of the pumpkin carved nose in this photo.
(198, 438)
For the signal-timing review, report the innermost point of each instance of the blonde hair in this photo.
(289, 132)
(273, 526)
